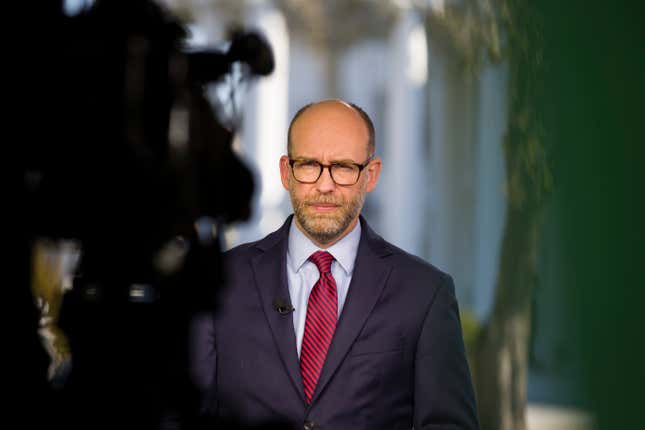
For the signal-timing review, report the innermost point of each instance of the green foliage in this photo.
(473, 28)
(489, 31)
(528, 162)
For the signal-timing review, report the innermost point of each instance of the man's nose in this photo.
(325, 183)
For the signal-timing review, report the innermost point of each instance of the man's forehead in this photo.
(329, 109)
(331, 117)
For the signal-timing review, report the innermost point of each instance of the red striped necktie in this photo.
(322, 314)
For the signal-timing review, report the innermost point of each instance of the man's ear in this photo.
(284, 171)
(373, 172)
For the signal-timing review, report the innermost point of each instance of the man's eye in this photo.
(343, 167)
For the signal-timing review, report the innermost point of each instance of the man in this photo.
(325, 325)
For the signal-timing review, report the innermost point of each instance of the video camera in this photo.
(129, 162)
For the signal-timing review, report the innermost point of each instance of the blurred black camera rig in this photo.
(129, 160)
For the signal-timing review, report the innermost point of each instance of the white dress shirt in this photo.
(302, 274)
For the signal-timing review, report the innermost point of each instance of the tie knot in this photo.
(322, 260)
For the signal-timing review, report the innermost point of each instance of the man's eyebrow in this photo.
(343, 161)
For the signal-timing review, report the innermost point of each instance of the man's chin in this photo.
(322, 226)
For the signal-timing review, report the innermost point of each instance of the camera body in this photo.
(132, 163)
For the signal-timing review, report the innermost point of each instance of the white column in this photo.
(490, 205)
(452, 119)
(404, 179)
(264, 134)
(467, 122)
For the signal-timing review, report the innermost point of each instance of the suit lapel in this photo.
(368, 280)
(269, 269)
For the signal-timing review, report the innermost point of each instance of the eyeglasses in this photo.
(309, 171)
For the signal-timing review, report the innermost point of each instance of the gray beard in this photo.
(325, 228)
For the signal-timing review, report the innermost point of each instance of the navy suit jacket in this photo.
(396, 360)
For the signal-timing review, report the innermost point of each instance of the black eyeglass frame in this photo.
(322, 166)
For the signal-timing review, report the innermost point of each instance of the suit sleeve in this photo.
(444, 398)
(203, 359)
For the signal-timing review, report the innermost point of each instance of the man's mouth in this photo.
(323, 207)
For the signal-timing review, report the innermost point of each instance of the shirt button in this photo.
(310, 425)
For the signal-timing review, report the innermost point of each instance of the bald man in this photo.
(325, 325)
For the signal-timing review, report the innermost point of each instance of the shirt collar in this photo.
(301, 247)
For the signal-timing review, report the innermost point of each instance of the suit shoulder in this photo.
(412, 264)
(241, 250)
(250, 249)
(240, 255)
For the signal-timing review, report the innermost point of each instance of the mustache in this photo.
(325, 200)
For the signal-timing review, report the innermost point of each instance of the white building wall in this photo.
(490, 197)
(404, 178)
(264, 132)
(452, 110)
(467, 121)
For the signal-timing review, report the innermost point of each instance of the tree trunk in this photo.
(501, 357)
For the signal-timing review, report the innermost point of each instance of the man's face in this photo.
(329, 132)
